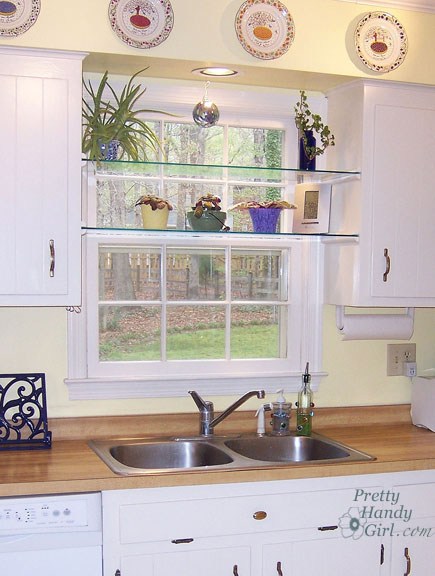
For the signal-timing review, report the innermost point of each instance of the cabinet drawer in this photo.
(194, 518)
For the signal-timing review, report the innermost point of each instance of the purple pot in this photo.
(265, 220)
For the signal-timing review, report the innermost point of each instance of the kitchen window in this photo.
(163, 312)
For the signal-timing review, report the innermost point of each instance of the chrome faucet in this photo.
(207, 421)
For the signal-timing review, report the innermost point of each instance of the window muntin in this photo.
(182, 302)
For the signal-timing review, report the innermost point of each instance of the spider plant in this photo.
(114, 119)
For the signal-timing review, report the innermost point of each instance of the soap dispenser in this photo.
(304, 411)
(281, 410)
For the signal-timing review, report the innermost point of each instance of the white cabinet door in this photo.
(386, 131)
(40, 96)
(325, 557)
(414, 555)
(231, 561)
(403, 198)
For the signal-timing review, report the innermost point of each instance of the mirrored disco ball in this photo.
(205, 114)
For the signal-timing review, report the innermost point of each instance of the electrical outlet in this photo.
(397, 354)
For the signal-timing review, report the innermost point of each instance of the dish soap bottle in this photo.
(304, 412)
(281, 410)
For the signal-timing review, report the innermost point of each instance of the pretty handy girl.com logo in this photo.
(380, 514)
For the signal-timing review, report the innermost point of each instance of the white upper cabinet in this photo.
(40, 156)
(387, 131)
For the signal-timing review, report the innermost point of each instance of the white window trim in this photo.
(238, 107)
(307, 262)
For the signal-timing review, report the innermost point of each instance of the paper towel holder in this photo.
(340, 316)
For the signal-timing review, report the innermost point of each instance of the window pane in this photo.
(189, 143)
(195, 274)
(127, 274)
(129, 333)
(258, 275)
(195, 332)
(256, 331)
(183, 196)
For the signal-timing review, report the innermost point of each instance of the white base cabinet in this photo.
(40, 157)
(377, 525)
(385, 130)
(257, 529)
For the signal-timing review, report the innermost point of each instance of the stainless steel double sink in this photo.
(138, 456)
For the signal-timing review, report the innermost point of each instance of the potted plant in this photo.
(111, 127)
(308, 124)
(264, 215)
(207, 214)
(155, 212)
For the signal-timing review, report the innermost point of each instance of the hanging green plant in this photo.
(306, 121)
(115, 120)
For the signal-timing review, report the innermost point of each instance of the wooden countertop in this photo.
(71, 466)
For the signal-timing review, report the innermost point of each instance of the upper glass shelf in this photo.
(210, 172)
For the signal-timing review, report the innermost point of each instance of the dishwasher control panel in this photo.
(41, 514)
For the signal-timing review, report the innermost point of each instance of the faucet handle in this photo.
(203, 405)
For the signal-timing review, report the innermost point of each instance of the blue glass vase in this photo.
(265, 220)
(109, 150)
(306, 163)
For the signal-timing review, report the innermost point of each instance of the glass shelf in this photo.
(210, 172)
(111, 190)
(207, 233)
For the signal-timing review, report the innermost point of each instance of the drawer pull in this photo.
(182, 541)
(408, 562)
(387, 265)
(118, 572)
(279, 569)
(235, 571)
(259, 515)
(52, 257)
(326, 528)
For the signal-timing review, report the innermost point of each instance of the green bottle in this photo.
(304, 412)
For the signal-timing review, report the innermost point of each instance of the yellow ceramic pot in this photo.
(154, 219)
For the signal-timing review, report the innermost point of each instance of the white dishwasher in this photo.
(51, 535)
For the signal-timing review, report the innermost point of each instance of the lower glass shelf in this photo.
(221, 232)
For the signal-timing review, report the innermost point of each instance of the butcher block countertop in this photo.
(385, 432)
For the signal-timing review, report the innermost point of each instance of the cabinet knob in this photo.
(387, 265)
(259, 515)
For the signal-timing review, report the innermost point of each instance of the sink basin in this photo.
(136, 456)
(287, 448)
(169, 454)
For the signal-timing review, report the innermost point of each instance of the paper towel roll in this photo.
(375, 326)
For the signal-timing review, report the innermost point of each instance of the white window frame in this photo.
(305, 315)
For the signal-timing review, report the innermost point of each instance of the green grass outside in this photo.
(252, 341)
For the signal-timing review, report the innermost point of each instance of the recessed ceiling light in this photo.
(215, 71)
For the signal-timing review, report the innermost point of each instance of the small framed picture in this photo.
(313, 201)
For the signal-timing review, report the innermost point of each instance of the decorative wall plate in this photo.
(264, 28)
(17, 16)
(381, 41)
(141, 23)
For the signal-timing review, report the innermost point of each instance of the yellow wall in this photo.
(35, 339)
(204, 31)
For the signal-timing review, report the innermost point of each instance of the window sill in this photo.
(118, 388)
